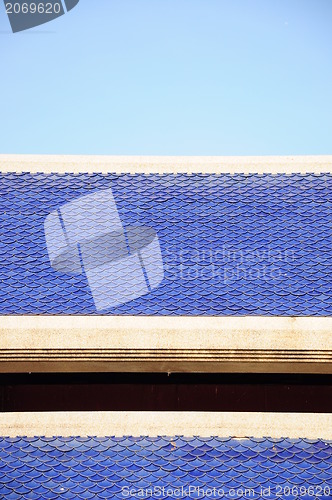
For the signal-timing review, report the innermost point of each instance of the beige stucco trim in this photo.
(165, 164)
(291, 425)
(165, 344)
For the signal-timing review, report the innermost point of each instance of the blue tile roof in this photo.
(164, 467)
(230, 244)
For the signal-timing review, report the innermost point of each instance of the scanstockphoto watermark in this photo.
(187, 492)
(227, 264)
(26, 14)
(278, 491)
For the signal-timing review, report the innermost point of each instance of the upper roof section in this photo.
(213, 242)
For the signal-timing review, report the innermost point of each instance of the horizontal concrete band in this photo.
(277, 425)
(166, 164)
(167, 344)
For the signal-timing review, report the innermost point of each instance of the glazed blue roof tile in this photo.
(231, 244)
(228, 465)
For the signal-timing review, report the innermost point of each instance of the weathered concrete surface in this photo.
(291, 425)
(114, 343)
(165, 164)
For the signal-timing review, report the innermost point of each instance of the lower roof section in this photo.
(204, 424)
(177, 467)
(165, 344)
(165, 456)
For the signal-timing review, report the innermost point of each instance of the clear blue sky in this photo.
(170, 77)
